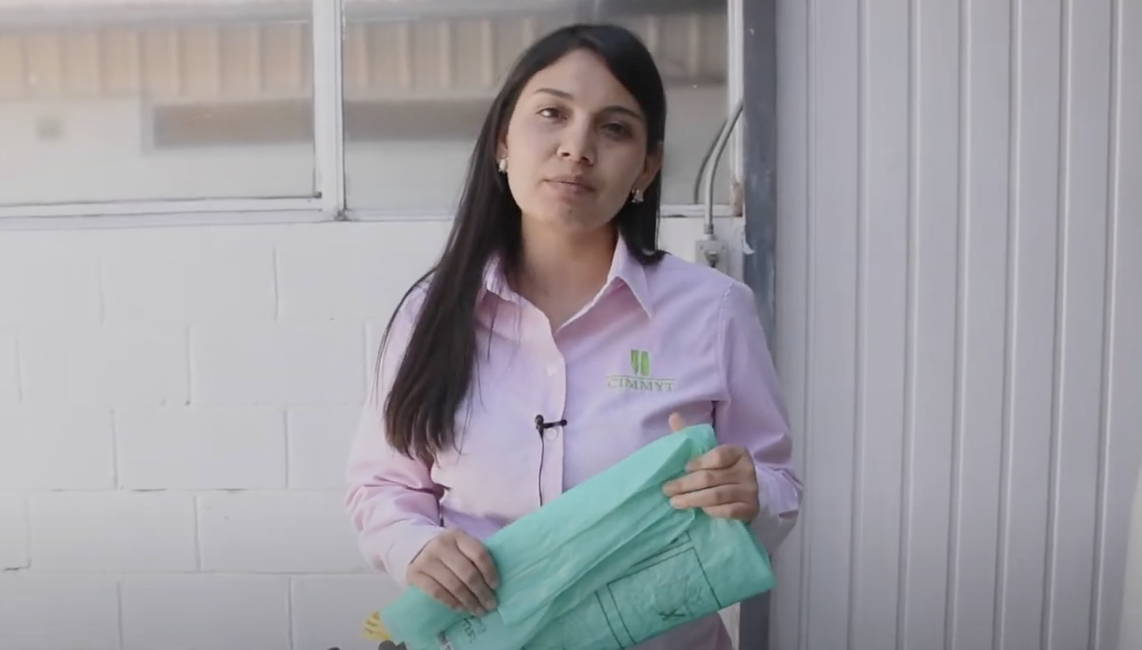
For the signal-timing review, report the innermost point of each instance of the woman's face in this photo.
(576, 146)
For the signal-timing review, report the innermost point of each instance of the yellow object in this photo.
(375, 630)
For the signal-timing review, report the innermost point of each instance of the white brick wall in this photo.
(13, 533)
(9, 374)
(112, 531)
(57, 448)
(227, 612)
(188, 448)
(52, 611)
(176, 406)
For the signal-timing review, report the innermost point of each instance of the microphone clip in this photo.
(541, 424)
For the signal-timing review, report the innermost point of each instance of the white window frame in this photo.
(328, 202)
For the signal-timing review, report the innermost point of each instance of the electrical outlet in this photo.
(714, 253)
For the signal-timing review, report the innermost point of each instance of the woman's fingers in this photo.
(479, 556)
(447, 577)
(436, 590)
(710, 497)
(472, 589)
(695, 481)
(738, 510)
(456, 569)
(723, 482)
(677, 423)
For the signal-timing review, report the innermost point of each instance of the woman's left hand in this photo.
(722, 482)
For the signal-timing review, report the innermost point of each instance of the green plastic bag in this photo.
(607, 565)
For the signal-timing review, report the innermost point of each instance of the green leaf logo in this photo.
(640, 362)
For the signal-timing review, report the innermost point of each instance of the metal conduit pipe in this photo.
(711, 171)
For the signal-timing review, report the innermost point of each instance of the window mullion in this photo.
(735, 82)
(328, 105)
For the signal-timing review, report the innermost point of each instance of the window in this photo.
(322, 107)
(450, 58)
(92, 94)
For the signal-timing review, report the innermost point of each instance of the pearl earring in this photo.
(636, 196)
(503, 165)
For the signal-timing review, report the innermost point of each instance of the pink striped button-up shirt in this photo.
(676, 337)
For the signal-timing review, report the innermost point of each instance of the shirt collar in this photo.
(624, 269)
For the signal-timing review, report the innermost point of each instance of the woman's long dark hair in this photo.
(437, 366)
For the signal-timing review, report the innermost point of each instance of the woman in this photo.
(553, 338)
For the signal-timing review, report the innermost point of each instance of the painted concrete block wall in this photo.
(175, 413)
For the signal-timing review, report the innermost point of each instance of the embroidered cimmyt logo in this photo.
(640, 378)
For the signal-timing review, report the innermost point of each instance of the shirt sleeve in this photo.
(753, 414)
(392, 500)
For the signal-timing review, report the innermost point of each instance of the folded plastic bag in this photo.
(607, 565)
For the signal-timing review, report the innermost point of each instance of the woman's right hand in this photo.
(456, 569)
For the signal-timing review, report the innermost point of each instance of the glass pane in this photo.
(417, 86)
(116, 100)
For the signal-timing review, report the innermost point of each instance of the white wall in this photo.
(959, 305)
(175, 413)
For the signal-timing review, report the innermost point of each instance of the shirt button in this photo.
(552, 434)
(552, 369)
